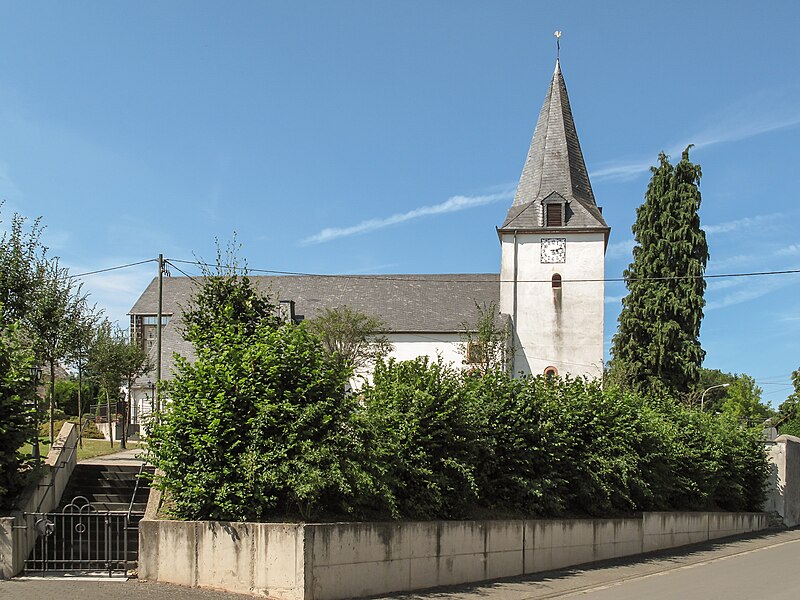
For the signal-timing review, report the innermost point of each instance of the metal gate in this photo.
(79, 539)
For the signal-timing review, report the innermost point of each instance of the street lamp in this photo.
(152, 387)
(35, 372)
(713, 387)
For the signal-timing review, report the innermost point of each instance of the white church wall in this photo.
(562, 328)
(408, 346)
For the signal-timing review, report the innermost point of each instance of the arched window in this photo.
(550, 373)
(556, 280)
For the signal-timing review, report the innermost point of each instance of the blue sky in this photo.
(387, 137)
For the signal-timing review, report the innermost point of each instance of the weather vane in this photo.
(558, 44)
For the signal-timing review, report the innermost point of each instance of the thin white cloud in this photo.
(790, 250)
(716, 284)
(728, 262)
(621, 171)
(370, 270)
(752, 291)
(116, 292)
(741, 121)
(613, 299)
(745, 223)
(620, 249)
(738, 126)
(453, 204)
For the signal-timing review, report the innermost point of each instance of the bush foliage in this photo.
(16, 427)
(260, 427)
(260, 423)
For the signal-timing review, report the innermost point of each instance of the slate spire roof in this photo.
(554, 166)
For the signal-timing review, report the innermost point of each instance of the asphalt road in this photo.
(759, 566)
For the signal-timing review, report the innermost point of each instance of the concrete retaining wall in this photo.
(258, 558)
(783, 491)
(16, 532)
(350, 560)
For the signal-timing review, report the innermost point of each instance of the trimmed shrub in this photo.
(424, 438)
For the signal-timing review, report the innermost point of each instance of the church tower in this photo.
(553, 252)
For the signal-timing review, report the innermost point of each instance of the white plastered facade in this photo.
(555, 327)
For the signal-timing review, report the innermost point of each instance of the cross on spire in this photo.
(558, 44)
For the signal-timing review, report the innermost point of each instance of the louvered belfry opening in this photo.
(554, 213)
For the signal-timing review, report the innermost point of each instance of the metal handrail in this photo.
(135, 491)
(63, 463)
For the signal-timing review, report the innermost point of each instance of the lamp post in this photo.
(713, 387)
(35, 372)
(152, 398)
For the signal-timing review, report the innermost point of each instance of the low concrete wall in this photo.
(257, 558)
(783, 491)
(351, 560)
(133, 430)
(16, 532)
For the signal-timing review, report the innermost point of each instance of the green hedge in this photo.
(458, 446)
(260, 427)
(264, 430)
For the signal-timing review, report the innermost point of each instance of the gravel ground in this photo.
(118, 589)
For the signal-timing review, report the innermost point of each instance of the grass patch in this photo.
(91, 448)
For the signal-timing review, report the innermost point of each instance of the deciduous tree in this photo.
(259, 423)
(790, 409)
(22, 256)
(106, 365)
(486, 340)
(353, 338)
(134, 363)
(59, 305)
(16, 425)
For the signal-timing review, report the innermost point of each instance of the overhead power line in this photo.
(141, 262)
(177, 268)
(434, 278)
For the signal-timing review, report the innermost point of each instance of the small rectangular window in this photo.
(554, 212)
(474, 353)
(153, 320)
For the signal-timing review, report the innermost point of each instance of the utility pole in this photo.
(80, 403)
(158, 332)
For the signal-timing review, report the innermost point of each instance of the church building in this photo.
(549, 289)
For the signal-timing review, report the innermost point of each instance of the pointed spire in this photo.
(554, 164)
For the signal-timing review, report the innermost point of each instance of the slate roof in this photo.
(407, 303)
(172, 343)
(554, 165)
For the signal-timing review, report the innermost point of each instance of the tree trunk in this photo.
(80, 405)
(52, 398)
(109, 419)
(125, 410)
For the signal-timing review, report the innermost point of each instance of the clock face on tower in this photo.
(554, 250)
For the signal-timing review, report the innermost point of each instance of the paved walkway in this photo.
(712, 570)
(129, 457)
(82, 589)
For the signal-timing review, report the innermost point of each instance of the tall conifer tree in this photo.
(657, 344)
